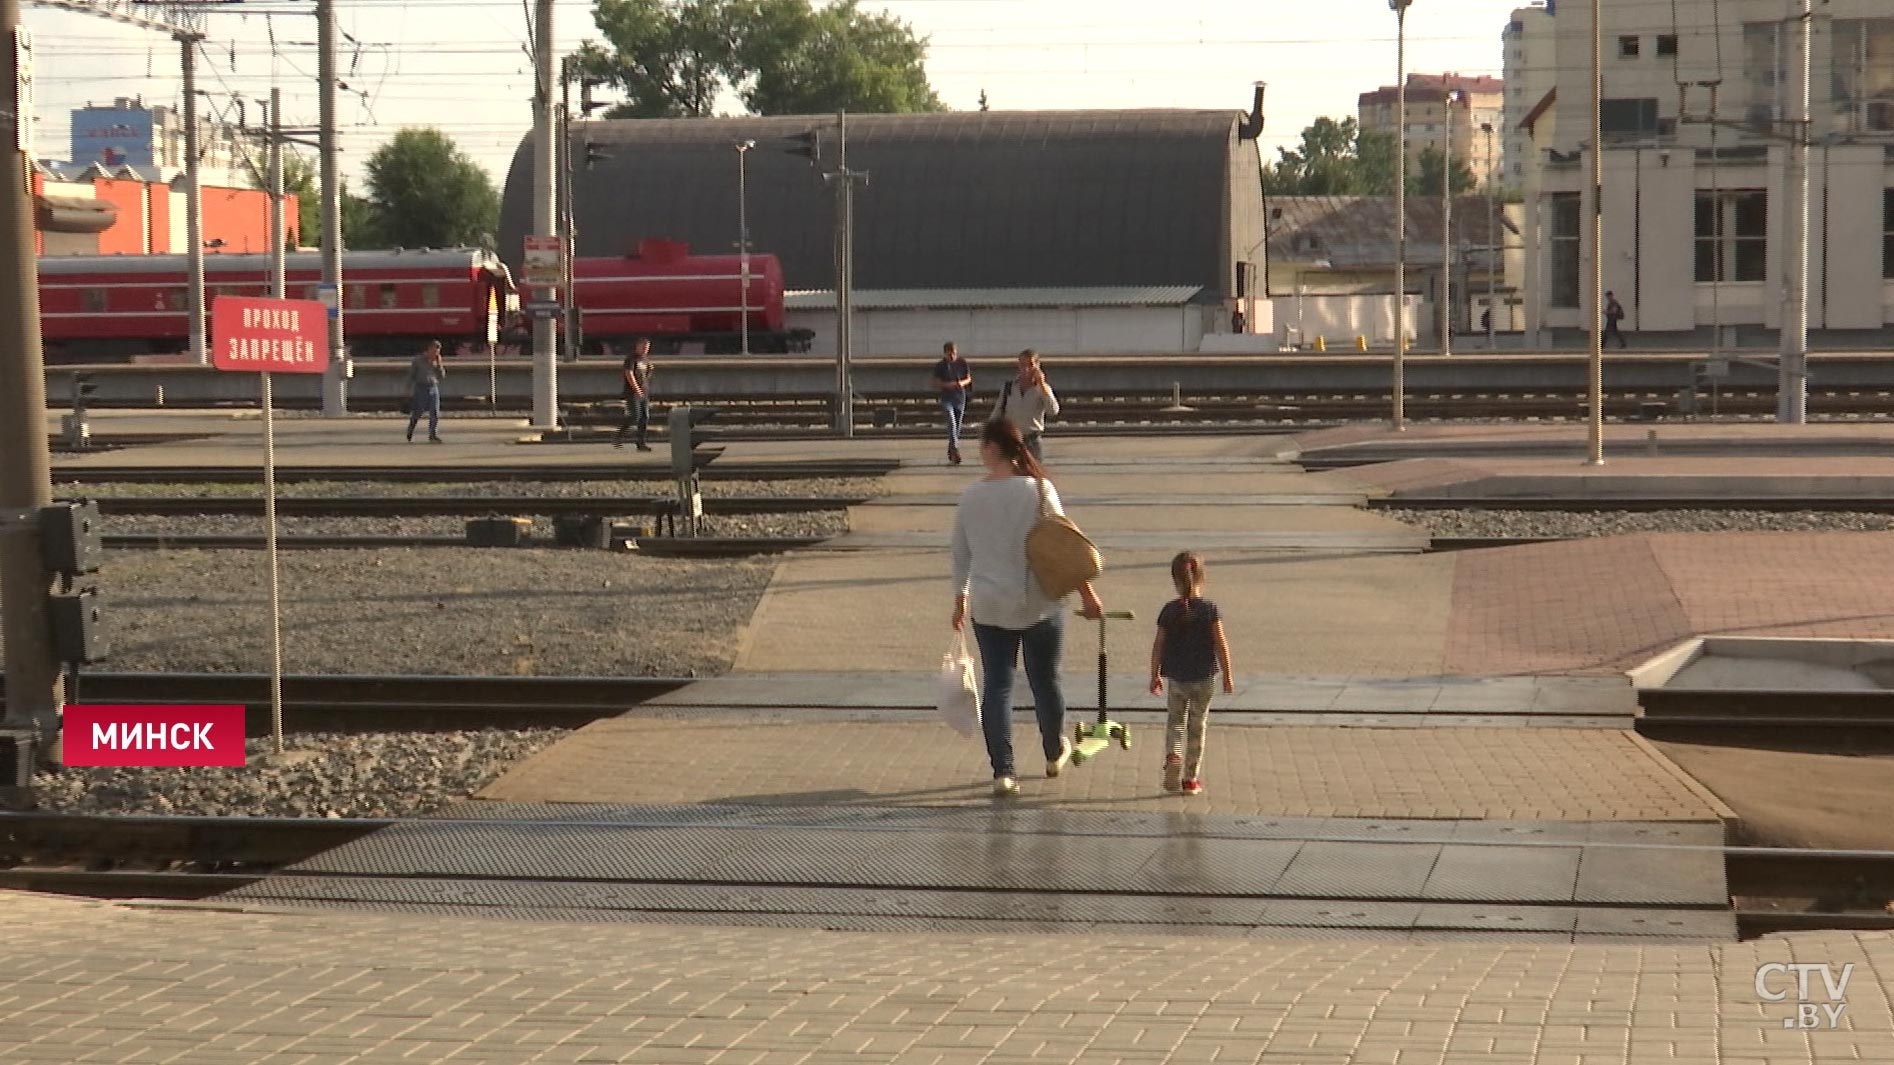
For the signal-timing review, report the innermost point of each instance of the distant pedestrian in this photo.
(1012, 616)
(425, 376)
(1027, 401)
(636, 390)
(1614, 314)
(953, 378)
(1189, 652)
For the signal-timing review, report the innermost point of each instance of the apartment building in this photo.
(1531, 65)
(1476, 120)
(1694, 158)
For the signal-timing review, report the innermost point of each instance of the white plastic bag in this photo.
(957, 692)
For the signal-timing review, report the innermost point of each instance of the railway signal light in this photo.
(594, 154)
(686, 436)
(807, 144)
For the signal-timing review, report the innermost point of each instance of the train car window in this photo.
(174, 299)
(430, 295)
(388, 296)
(358, 296)
(92, 300)
(312, 292)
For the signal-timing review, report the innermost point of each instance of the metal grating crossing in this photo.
(1030, 870)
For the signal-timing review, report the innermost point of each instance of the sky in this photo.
(462, 65)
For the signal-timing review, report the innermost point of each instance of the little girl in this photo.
(1189, 652)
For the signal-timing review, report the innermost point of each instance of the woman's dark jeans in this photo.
(999, 649)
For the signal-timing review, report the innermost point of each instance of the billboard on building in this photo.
(113, 136)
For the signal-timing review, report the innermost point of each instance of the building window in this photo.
(1666, 44)
(92, 300)
(1627, 48)
(388, 296)
(1887, 234)
(1565, 248)
(1631, 117)
(1863, 81)
(1733, 235)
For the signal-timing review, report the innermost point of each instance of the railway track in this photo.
(1878, 504)
(624, 471)
(181, 857)
(323, 702)
(467, 506)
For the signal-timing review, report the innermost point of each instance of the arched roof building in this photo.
(954, 200)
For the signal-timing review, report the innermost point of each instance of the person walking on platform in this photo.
(1189, 652)
(1027, 400)
(1012, 617)
(425, 376)
(636, 391)
(954, 379)
(1614, 315)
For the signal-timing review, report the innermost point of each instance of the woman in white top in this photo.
(1027, 401)
(1011, 614)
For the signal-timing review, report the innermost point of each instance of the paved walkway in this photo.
(94, 982)
(807, 757)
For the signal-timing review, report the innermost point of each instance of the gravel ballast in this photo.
(816, 523)
(446, 610)
(1570, 523)
(829, 487)
(384, 774)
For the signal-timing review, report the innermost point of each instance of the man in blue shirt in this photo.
(954, 380)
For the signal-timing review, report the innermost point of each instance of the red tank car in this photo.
(674, 297)
(110, 307)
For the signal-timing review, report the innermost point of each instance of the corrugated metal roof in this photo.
(1358, 231)
(980, 298)
(955, 200)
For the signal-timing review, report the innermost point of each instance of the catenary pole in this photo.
(545, 213)
(1596, 439)
(335, 382)
(193, 198)
(279, 289)
(35, 691)
(1792, 365)
(1400, 212)
(1452, 97)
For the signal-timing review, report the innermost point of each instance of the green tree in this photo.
(303, 180)
(1335, 158)
(676, 58)
(1423, 177)
(426, 193)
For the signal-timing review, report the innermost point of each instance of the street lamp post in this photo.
(1399, 7)
(1492, 237)
(1453, 98)
(743, 237)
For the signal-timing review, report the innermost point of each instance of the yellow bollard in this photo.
(1361, 342)
(1320, 344)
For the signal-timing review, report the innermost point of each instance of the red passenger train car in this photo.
(112, 307)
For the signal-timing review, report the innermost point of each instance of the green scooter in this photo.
(1090, 739)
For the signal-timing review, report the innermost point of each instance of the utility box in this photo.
(499, 532)
(17, 747)
(78, 627)
(581, 530)
(70, 538)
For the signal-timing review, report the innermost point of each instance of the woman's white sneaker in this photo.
(1005, 787)
(1065, 755)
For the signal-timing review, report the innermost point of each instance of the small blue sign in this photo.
(326, 295)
